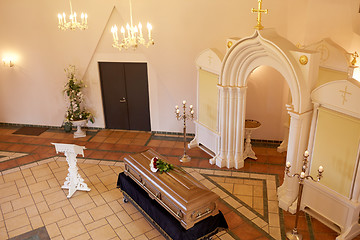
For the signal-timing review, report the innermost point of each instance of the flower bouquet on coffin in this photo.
(76, 113)
(157, 164)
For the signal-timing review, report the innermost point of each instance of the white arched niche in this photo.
(265, 47)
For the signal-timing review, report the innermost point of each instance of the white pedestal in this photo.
(79, 133)
(73, 180)
(250, 125)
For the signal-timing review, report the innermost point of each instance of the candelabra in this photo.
(294, 235)
(184, 116)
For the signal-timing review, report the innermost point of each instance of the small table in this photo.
(250, 125)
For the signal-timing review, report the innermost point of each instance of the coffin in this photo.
(177, 191)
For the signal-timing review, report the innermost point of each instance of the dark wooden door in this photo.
(125, 95)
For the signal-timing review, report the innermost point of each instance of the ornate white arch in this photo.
(265, 47)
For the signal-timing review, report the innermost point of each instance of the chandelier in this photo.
(132, 36)
(72, 23)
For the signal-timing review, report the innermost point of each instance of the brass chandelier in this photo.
(72, 23)
(131, 36)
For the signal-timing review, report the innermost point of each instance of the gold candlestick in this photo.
(184, 117)
(294, 234)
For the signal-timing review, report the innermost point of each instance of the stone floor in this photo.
(32, 174)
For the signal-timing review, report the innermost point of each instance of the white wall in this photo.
(31, 92)
(266, 96)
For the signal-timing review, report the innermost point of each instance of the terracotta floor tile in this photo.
(233, 220)
(106, 146)
(8, 165)
(111, 140)
(247, 232)
(125, 141)
(97, 154)
(154, 143)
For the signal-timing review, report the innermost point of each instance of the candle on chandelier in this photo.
(306, 153)
(86, 18)
(192, 112)
(64, 17)
(321, 169)
(176, 107)
(177, 110)
(191, 106)
(302, 175)
(82, 18)
(59, 17)
(114, 32)
(288, 164)
(149, 27)
(184, 102)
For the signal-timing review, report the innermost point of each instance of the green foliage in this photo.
(163, 166)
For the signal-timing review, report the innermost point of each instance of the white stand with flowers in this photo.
(73, 181)
(76, 112)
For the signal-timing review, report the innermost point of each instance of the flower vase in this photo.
(79, 132)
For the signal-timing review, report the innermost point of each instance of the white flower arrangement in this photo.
(73, 92)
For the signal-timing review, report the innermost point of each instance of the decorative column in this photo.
(220, 158)
(298, 139)
(239, 151)
(73, 180)
(231, 128)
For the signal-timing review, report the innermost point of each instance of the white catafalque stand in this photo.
(73, 180)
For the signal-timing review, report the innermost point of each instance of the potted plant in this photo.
(76, 113)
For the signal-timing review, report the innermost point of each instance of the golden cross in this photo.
(259, 11)
(344, 92)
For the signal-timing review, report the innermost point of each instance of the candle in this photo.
(59, 16)
(177, 110)
(302, 175)
(306, 153)
(176, 107)
(321, 169)
(192, 112)
(149, 27)
(64, 17)
(191, 106)
(85, 18)
(288, 164)
(184, 102)
(82, 18)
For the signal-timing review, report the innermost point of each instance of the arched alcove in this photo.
(266, 99)
(265, 47)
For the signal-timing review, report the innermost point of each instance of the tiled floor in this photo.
(32, 174)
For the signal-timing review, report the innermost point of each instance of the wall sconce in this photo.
(8, 61)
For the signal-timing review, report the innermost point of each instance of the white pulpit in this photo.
(73, 180)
